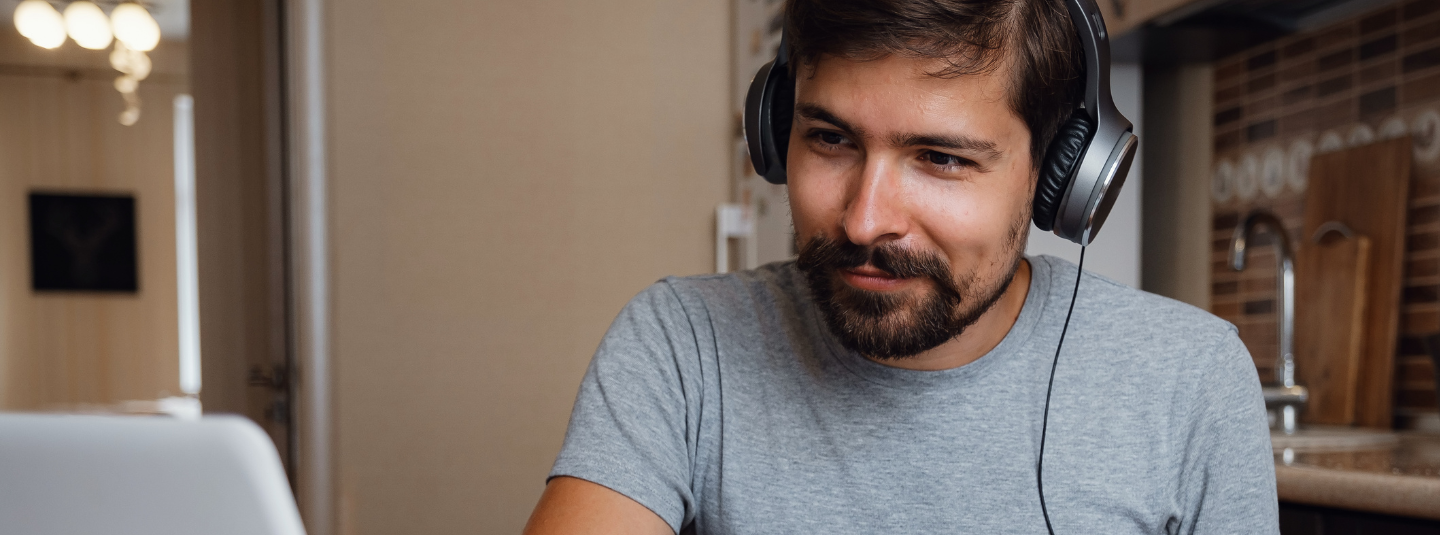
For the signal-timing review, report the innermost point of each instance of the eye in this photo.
(831, 138)
(944, 160)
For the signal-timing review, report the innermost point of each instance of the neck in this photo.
(979, 338)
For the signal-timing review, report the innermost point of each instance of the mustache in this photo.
(821, 253)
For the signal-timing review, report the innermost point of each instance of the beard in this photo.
(891, 326)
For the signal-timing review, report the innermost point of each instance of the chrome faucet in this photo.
(1288, 397)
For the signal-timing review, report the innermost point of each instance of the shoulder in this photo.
(734, 294)
(1116, 307)
(1141, 331)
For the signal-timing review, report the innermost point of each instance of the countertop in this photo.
(1400, 479)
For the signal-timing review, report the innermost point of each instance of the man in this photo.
(894, 378)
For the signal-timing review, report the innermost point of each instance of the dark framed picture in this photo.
(83, 243)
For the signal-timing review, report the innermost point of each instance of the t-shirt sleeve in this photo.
(1228, 472)
(631, 428)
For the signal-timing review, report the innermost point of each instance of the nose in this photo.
(875, 212)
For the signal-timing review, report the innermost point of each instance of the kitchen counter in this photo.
(1401, 479)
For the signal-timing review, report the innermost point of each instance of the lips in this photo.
(867, 277)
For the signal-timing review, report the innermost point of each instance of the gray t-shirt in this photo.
(723, 404)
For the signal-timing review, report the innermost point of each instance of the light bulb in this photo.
(135, 27)
(41, 23)
(131, 62)
(88, 25)
(50, 38)
(126, 83)
(139, 65)
(120, 57)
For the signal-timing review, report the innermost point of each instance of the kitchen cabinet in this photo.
(1123, 15)
(1297, 519)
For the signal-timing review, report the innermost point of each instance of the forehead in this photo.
(897, 93)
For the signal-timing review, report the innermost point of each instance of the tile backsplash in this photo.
(1375, 76)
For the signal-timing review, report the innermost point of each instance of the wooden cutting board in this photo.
(1330, 284)
(1367, 188)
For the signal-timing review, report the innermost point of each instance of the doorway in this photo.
(143, 211)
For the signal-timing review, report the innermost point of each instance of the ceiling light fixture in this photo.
(135, 27)
(129, 26)
(38, 21)
(87, 25)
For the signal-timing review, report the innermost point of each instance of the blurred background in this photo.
(393, 233)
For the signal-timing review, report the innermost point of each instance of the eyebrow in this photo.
(816, 112)
(961, 143)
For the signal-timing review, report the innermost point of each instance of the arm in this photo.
(627, 456)
(1229, 471)
(571, 506)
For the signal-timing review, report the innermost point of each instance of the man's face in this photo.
(910, 196)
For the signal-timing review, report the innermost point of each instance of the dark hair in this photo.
(1037, 37)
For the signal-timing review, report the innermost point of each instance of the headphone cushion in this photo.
(1060, 159)
(781, 104)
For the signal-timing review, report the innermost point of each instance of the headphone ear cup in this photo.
(782, 115)
(1058, 167)
(769, 108)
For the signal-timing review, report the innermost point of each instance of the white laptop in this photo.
(121, 475)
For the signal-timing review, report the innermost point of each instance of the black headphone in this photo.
(1083, 168)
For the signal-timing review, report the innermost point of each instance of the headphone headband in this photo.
(1106, 160)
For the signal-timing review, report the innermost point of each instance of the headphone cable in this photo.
(1045, 420)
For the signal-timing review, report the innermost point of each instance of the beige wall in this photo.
(504, 176)
(58, 131)
(1177, 148)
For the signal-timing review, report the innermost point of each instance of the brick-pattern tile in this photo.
(1332, 86)
(1379, 102)
(1416, 398)
(1410, 345)
(1261, 60)
(1422, 242)
(1225, 221)
(1421, 294)
(1224, 117)
(1421, 89)
(1298, 122)
(1227, 140)
(1225, 310)
(1336, 35)
(1424, 214)
(1338, 113)
(1368, 72)
(1422, 186)
(1420, 322)
(1261, 83)
(1335, 60)
(1259, 307)
(1426, 267)
(1260, 131)
(1296, 95)
(1420, 60)
(1297, 71)
(1420, 34)
(1419, 8)
(1378, 47)
(1383, 20)
(1229, 93)
(1229, 72)
(1416, 372)
(1381, 71)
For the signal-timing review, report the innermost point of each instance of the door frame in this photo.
(307, 258)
